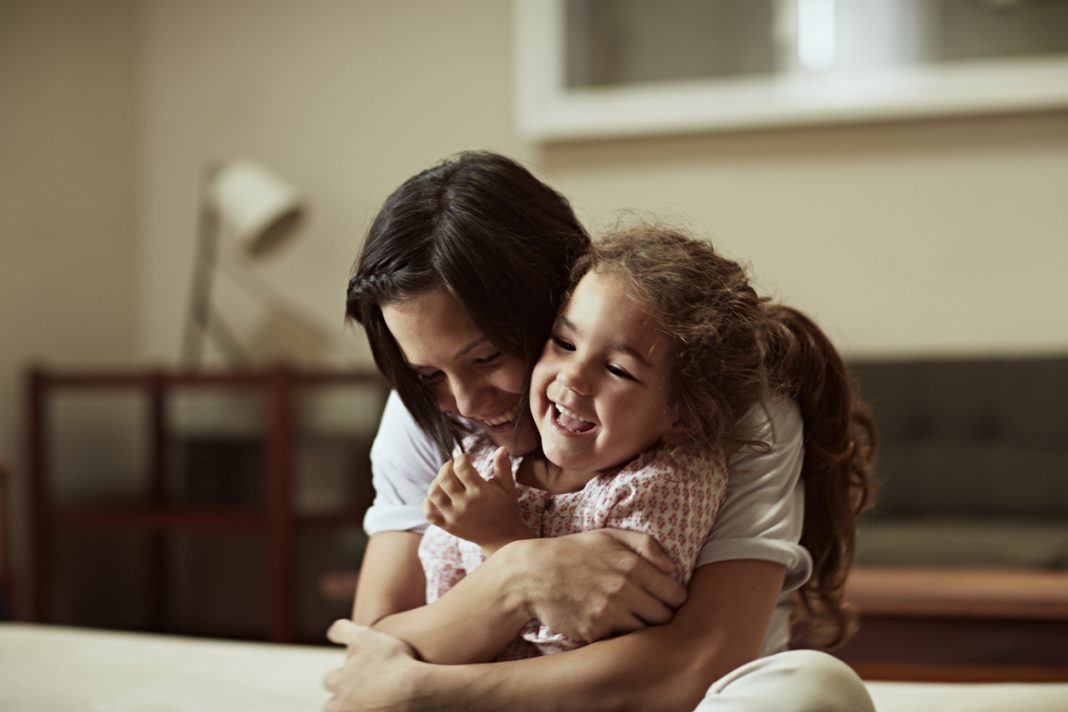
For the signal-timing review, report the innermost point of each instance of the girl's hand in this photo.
(379, 671)
(466, 505)
(595, 584)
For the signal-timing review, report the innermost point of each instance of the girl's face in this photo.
(600, 392)
(467, 374)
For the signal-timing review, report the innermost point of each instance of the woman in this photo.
(458, 284)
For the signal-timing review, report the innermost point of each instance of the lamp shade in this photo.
(257, 207)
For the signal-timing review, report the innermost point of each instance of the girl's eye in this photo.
(488, 359)
(563, 344)
(621, 373)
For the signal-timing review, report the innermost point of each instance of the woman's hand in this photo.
(378, 673)
(466, 505)
(595, 584)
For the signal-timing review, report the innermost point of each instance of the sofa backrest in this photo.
(986, 438)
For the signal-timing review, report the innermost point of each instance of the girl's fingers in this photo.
(431, 513)
(447, 480)
(466, 473)
(502, 469)
(438, 497)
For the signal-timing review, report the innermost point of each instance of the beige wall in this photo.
(69, 141)
(932, 237)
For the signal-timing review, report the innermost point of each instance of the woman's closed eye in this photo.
(430, 379)
(488, 360)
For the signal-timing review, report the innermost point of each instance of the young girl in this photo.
(659, 350)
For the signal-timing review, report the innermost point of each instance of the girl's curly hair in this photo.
(734, 347)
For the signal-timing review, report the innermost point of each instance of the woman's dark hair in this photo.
(497, 238)
(732, 347)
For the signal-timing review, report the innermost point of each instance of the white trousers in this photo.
(793, 681)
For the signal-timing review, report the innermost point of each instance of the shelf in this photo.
(140, 517)
(271, 512)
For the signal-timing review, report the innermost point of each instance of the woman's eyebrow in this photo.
(459, 354)
(471, 346)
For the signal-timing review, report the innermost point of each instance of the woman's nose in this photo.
(471, 397)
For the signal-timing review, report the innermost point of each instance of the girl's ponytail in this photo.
(839, 443)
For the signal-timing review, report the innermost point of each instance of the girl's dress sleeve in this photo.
(673, 495)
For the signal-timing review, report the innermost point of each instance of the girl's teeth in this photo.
(570, 421)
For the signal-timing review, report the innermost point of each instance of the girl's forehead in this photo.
(616, 291)
(603, 305)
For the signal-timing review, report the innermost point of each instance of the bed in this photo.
(46, 668)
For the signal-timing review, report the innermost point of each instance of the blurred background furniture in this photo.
(6, 578)
(962, 568)
(204, 484)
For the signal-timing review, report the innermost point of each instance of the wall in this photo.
(921, 237)
(345, 99)
(68, 195)
(924, 237)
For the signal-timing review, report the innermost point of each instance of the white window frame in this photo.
(547, 110)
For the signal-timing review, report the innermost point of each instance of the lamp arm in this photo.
(200, 319)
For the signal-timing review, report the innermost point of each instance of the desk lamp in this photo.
(247, 203)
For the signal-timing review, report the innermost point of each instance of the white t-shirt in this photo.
(761, 518)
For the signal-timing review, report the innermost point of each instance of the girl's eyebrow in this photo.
(619, 346)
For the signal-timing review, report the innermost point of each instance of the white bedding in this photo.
(46, 668)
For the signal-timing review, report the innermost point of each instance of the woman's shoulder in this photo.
(775, 419)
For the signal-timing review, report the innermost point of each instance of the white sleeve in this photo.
(404, 461)
(765, 506)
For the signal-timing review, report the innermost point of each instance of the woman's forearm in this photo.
(587, 586)
(720, 627)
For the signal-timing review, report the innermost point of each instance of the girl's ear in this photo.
(682, 428)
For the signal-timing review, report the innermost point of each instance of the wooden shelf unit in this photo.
(277, 518)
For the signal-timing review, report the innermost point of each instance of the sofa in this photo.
(962, 566)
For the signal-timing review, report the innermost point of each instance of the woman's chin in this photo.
(518, 441)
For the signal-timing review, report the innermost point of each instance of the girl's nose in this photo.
(574, 380)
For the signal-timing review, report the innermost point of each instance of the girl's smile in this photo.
(601, 391)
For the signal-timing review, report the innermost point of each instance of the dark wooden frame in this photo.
(278, 519)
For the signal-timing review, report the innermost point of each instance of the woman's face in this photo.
(600, 392)
(467, 374)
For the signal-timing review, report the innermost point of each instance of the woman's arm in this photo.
(720, 627)
(391, 578)
(587, 586)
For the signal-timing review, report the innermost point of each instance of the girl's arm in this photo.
(720, 627)
(586, 586)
